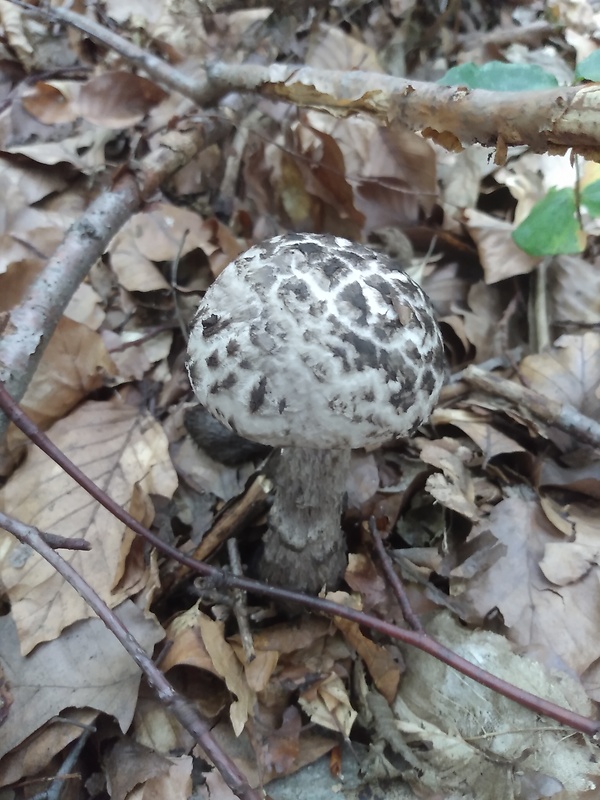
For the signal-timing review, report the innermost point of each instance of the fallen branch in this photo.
(551, 121)
(30, 325)
(551, 412)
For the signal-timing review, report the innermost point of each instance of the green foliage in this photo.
(499, 77)
(589, 68)
(590, 198)
(552, 226)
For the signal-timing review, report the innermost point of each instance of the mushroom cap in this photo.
(311, 340)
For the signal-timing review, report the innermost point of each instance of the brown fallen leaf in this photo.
(555, 623)
(126, 453)
(85, 667)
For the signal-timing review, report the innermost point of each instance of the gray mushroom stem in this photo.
(304, 546)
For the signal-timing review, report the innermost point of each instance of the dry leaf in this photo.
(126, 454)
(86, 667)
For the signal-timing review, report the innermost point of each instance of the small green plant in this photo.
(553, 226)
(497, 76)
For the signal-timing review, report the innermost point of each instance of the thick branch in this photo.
(551, 121)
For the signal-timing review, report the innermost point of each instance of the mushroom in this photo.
(315, 345)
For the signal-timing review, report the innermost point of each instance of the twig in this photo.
(185, 713)
(64, 543)
(31, 324)
(240, 605)
(393, 579)
(53, 791)
(327, 607)
(201, 92)
(551, 412)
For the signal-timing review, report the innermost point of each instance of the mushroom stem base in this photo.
(304, 547)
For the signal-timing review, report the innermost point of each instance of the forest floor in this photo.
(143, 147)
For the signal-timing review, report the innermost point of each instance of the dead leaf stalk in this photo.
(394, 579)
(422, 641)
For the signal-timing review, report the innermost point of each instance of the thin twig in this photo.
(240, 605)
(422, 641)
(393, 579)
(185, 713)
(53, 791)
(551, 412)
(57, 542)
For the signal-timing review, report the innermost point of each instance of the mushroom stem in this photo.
(304, 547)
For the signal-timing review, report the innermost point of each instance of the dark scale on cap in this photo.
(296, 287)
(316, 309)
(401, 400)
(382, 285)
(408, 374)
(339, 352)
(428, 380)
(257, 395)
(281, 406)
(232, 347)
(332, 265)
(229, 381)
(310, 249)
(367, 352)
(385, 362)
(369, 396)
(213, 360)
(213, 325)
(292, 238)
(353, 295)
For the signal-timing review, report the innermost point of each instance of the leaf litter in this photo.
(489, 512)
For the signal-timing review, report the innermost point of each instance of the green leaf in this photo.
(589, 68)
(552, 226)
(499, 77)
(590, 198)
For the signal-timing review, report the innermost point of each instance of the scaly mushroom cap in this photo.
(315, 341)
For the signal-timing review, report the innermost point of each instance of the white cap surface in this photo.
(314, 341)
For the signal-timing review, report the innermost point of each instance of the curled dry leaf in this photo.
(126, 454)
(113, 100)
(500, 256)
(199, 641)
